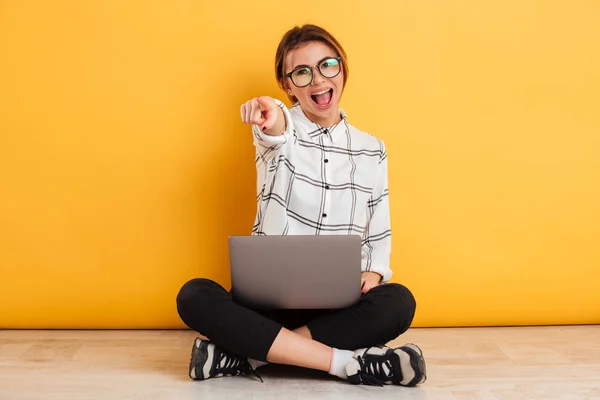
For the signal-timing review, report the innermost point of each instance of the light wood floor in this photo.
(463, 364)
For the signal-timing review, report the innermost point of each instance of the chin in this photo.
(323, 111)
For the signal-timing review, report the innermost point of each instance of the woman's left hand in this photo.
(368, 280)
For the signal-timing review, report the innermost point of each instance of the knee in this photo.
(403, 298)
(402, 306)
(193, 293)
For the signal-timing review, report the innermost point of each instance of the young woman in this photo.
(317, 175)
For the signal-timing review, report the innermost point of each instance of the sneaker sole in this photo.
(198, 359)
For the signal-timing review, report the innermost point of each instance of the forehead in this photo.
(308, 54)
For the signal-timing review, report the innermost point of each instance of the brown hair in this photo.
(298, 36)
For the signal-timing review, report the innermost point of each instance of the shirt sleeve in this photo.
(266, 143)
(377, 239)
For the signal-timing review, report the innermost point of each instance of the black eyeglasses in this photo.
(302, 76)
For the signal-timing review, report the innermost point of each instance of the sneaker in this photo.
(403, 366)
(209, 361)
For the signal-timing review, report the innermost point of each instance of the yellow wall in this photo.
(124, 166)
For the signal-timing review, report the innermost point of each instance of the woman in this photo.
(317, 174)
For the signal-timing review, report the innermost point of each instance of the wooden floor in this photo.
(463, 364)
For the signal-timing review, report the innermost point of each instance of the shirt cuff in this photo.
(381, 269)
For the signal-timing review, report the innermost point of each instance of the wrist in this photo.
(374, 274)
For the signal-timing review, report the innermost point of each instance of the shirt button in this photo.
(327, 187)
(326, 160)
(324, 215)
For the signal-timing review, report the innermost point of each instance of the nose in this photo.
(317, 77)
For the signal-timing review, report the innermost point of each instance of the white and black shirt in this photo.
(324, 181)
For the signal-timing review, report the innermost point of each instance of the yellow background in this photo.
(124, 166)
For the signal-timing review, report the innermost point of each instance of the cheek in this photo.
(339, 81)
(303, 94)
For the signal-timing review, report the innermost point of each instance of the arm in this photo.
(377, 239)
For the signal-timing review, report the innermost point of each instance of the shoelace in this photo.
(234, 365)
(372, 372)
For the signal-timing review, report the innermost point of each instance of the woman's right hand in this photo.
(264, 112)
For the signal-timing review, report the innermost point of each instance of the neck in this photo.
(325, 122)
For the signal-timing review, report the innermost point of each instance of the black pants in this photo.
(381, 315)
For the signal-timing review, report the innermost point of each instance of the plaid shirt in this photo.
(324, 181)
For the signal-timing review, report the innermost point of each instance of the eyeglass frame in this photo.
(289, 74)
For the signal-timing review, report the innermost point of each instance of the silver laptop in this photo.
(295, 272)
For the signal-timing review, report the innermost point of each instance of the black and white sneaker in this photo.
(210, 361)
(380, 366)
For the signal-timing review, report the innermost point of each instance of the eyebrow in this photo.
(308, 66)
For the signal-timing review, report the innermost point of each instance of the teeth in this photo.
(323, 92)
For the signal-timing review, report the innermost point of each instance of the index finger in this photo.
(264, 103)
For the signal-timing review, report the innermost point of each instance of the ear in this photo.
(286, 86)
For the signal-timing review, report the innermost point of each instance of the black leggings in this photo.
(381, 315)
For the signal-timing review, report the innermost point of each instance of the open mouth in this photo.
(323, 99)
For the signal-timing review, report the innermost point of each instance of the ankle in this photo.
(339, 360)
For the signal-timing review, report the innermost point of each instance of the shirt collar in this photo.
(334, 131)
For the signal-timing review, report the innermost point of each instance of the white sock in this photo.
(255, 364)
(339, 360)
